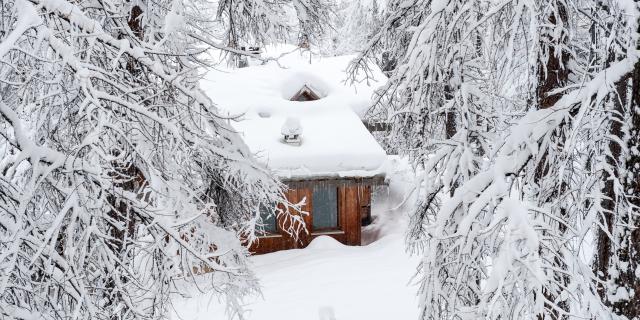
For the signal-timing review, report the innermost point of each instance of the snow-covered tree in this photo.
(509, 108)
(617, 262)
(259, 22)
(314, 20)
(355, 22)
(119, 181)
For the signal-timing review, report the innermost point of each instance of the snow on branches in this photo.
(518, 114)
(119, 181)
(259, 22)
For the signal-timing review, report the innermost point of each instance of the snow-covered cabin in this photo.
(302, 121)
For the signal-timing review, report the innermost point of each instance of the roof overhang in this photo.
(297, 183)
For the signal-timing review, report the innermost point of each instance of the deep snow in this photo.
(369, 282)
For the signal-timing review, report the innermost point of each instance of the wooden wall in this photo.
(364, 197)
(350, 200)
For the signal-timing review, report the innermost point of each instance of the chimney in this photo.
(292, 131)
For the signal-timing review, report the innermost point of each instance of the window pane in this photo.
(268, 216)
(325, 208)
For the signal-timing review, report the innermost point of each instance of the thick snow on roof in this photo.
(335, 143)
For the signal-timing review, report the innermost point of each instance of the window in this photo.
(305, 94)
(325, 208)
(268, 216)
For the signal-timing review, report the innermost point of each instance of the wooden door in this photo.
(350, 214)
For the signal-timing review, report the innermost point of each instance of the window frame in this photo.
(338, 226)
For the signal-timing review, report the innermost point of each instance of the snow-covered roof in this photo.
(334, 144)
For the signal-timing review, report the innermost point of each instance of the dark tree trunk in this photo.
(609, 202)
(628, 252)
(604, 248)
(610, 196)
(622, 253)
(552, 74)
(450, 127)
(126, 176)
(135, 22)
(450, 124)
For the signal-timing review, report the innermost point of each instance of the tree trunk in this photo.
(553, 73)
(628, 250)
(617, 261)
(609, 178)
(610, 196)
(127, 177)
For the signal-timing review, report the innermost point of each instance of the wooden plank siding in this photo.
(364, 196)
(350, 200)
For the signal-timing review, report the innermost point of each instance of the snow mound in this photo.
(324, 242)
(291, 126)
(392, 204)
(345, 283)
(326, 313)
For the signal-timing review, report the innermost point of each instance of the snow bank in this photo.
(393, 203)
(323, 281)
(335, 143)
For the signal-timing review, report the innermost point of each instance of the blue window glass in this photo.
(325, 208)
(268, 216)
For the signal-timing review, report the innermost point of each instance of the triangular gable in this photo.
(305, 94)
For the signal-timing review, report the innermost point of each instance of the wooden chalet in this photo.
(337, 206)
(300, 122)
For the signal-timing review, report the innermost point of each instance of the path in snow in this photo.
(326, 281)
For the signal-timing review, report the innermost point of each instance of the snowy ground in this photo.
(328, 280)
(368, 282)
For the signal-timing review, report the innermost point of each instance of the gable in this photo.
(305, 94)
